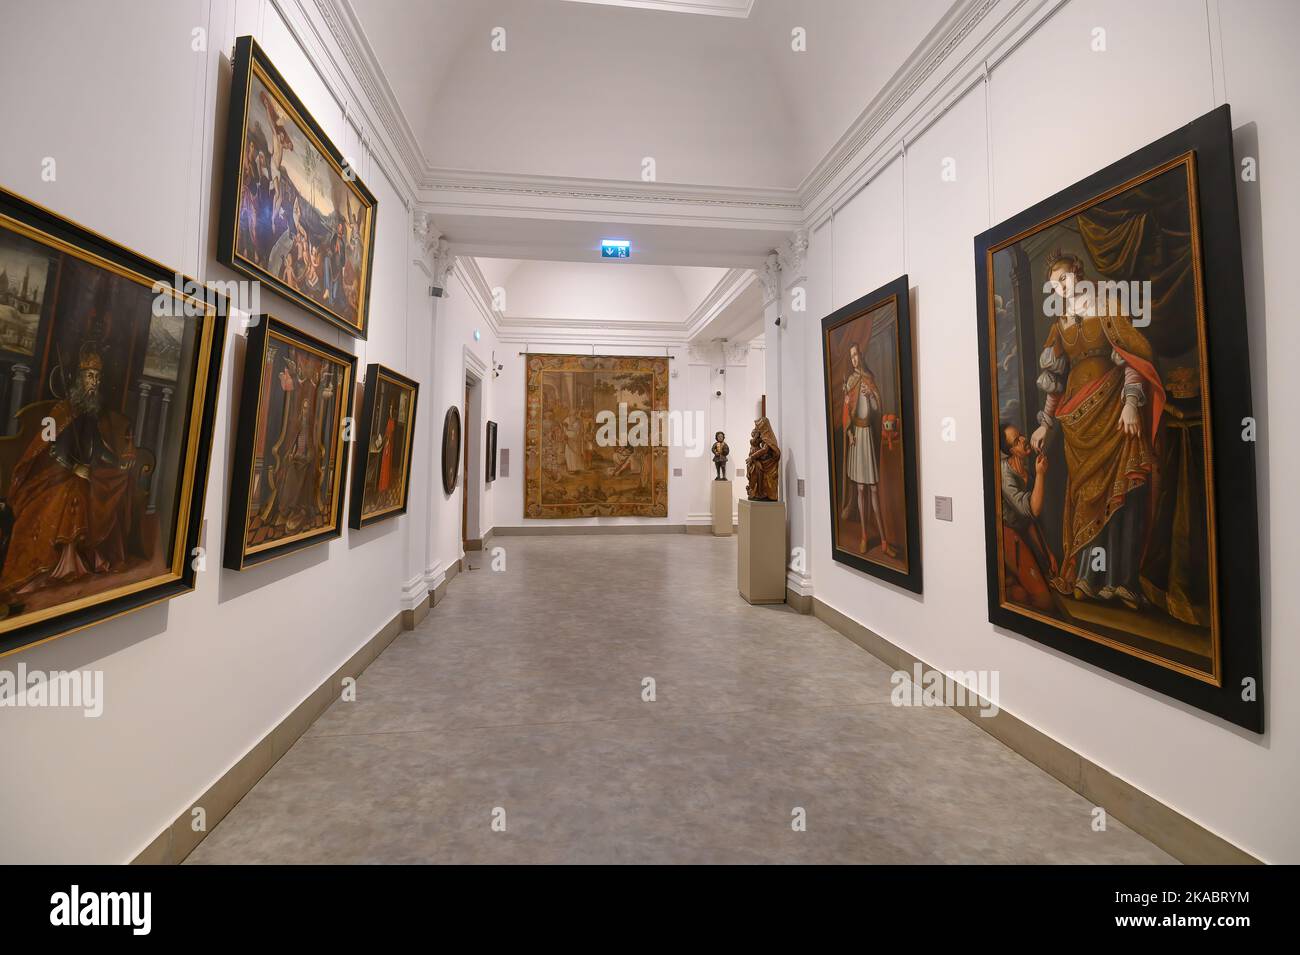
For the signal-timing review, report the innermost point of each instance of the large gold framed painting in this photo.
(1119, 470)
(294, 214)
(108, 390)
(596, 436)
(286, 492)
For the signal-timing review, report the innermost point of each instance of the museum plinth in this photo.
(760, 561)
(722, 498)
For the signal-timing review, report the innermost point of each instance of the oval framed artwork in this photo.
(451, 437)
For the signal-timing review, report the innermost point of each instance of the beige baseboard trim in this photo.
(411, 618)
(707, 530)
(548, 530)
(179, 839)
(1166, 827)
(800, 602)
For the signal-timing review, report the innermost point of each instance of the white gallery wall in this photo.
(134, 118)
(1052, 112)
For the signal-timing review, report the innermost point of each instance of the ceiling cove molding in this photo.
(480, 293)
(576, 331)
(732, 284)
(356, 85)
(594, 337)
(981, 34)
(916, 69)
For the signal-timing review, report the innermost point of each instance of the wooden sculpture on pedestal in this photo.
(762, 466)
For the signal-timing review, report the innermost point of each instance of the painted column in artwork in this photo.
(17, 395)
(142, 390)
(160, 445)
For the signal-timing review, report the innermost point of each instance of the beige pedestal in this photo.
(761, 551)
(722, 497)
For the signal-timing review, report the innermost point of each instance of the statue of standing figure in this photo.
(720, 453)
(763, 465)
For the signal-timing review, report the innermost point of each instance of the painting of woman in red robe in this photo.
(382, 474)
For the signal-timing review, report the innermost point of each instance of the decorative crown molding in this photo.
(919, 67)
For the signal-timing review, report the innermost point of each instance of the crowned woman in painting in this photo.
(1104, 398)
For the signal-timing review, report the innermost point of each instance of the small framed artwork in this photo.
(1119, 491)
(491, 469)
(109, 381)
(381, 456)
(290, 458)
(294, 215)
(871, 436)
(451, 438)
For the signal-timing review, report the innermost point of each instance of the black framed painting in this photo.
(286, 492)
(108, 378)
(490, 471)
(451, 438)
(381, 456)
(1118, 442)
(294, 214)
(871, 435)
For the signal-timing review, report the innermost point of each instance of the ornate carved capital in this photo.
(737, 353)
(794, 255)
(770, 277)
(443, 263)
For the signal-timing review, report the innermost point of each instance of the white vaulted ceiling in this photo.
(526, 157)
(589, 90)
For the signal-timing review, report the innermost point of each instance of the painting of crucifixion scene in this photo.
(586, 452)
(290, 456)
(97, 469)
(301, 220)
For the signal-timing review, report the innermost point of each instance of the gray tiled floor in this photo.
(522, 690)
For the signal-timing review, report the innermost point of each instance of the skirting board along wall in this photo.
(1184, 839)
(180, 838)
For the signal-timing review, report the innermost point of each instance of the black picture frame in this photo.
(897, 291)
(452, 435)
(63, 236)
(491, 470)
(363, 435)
(249, 58)
(1208, 140)
(237, 555)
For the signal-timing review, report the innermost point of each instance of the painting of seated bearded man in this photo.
(75, 504)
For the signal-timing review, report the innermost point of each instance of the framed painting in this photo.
(381, 456)
(871, 436)
(108, 385)
(490, 471)
(1119, 467)
(451, 438)
(290, 460)
(593, 442)
(294, 215)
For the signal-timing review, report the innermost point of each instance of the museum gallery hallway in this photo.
(522, 691)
